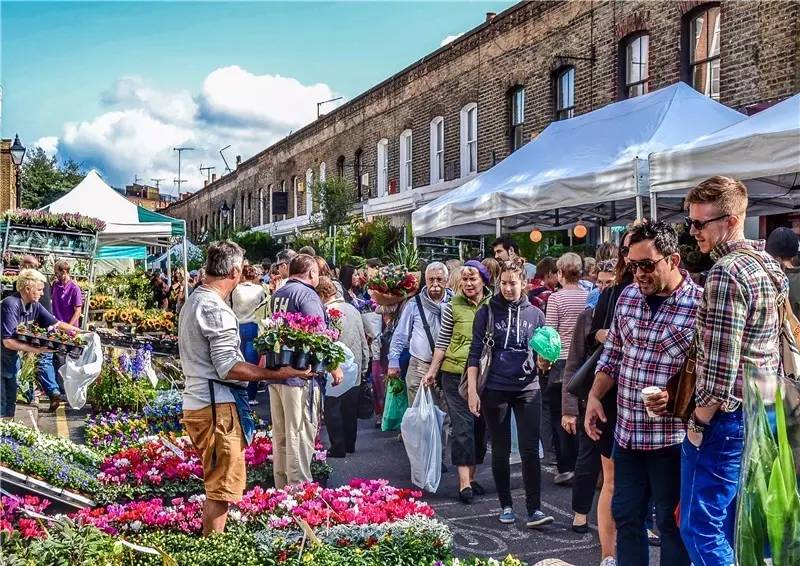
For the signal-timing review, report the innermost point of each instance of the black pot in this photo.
(273, 359)
(317, 365)
(50, 344)
(285, 356)
(35, 341)
(75, 351)
(62, 348)
(301, 360)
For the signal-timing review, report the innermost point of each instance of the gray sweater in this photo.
(208, 340)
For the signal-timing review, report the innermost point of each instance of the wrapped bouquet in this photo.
(392, 284)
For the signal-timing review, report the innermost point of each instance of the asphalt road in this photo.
(475, 527)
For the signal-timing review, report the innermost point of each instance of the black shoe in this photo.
(336, 454)
(466, 495)
(477, 488)
(55, 403)
(581, 529)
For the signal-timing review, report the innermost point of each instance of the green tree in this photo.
(44, 179)
(335, 199)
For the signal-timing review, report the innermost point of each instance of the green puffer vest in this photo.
(455, 358)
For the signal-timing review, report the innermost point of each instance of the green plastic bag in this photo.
(546, 342)
(395, 406)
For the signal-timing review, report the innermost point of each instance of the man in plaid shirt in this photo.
(652, 329)
(738, 330)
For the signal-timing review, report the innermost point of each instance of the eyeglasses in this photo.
(700, 224)
(646, 265)
(607, 266)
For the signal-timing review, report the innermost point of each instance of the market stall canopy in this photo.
(127, 224)
(574, 165)
(762, 150)
(192, 251)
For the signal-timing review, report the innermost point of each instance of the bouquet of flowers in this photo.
(392, 284)
(365, 306)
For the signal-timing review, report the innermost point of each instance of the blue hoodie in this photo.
(514, 324)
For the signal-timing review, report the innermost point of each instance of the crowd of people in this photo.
(627, 320)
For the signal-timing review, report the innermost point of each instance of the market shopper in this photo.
(177, 290)
(341, 411)
(282, 265)
(782, 244)
(511, 385)
(544, 283)
(18, 308)
(563, 309)
(295, 404)
(649, 339)
(246, 299)
(738, 332)
(215, 411)
(467, 432)
(504, 248)
(160, 290)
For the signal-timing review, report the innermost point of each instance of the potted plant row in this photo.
(67, 221)
(61, 341)
(299, 341)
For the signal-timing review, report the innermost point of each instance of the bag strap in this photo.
(425, 324)
(487, 335)
(763, 264)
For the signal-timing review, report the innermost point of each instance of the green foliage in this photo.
(133, 286)
(334, 198)
(115, 390)
(257, 245)
(69, 544)
(44, 180)
(375, 238)
(405, 255)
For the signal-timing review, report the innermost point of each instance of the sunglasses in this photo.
(607, 266)
(700, 224)
(646, 265)
(624, 250)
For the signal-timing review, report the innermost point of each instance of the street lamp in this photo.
(17, 155)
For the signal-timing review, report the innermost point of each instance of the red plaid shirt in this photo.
(644, 350)
(538, 293)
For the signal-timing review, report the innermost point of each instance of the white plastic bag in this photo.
(422, 436)
(79, 373)
(350, 378)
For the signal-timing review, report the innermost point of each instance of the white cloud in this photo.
(142, 125)
(450, 39)
(49, 144)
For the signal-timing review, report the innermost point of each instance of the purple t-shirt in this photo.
(66, 298)
(14, 313)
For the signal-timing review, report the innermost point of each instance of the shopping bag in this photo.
(394, 408)
(79, 373)
(422, 436)
(366, 410)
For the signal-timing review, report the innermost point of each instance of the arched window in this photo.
(468, 119)
(437, 150)
(565, 93)
(322, 172)
(357, 175)
(295, 191)
(702, 33)
(242, 214)
(383, 168)
(406, 155)
(269, 204)
(636, 53)
(340, 167)
(517, 96)
(309, 191)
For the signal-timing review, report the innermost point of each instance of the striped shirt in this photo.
(737, 323)
(446, 330)
(644, 349)
(563, 309)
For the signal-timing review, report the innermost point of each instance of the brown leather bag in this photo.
(681, 386)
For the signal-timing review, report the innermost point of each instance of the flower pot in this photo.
(62, 348)
(285, 356)
(317, 365)
(301, 360)
(23, 337)
(273, 359)
(75, 351)
(35, 341)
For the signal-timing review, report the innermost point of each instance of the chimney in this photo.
(490, 16)
(238, 160)
(205, 183)
(213, 177)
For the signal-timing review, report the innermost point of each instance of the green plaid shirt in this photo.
(737, 323)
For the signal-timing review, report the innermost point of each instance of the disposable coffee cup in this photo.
(648, 392)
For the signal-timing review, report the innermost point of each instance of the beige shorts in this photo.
(226, 481)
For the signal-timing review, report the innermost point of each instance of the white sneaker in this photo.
(609, 561)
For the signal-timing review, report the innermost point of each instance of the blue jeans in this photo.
(247, 335)
(46, 374)
(642, 477)
(709, 483)
(8, 390)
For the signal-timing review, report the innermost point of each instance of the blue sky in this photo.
(117, 85)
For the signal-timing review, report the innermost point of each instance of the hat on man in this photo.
(783, 243)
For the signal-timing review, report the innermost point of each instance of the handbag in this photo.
(582, 380)
(681, 386)
(485, 361)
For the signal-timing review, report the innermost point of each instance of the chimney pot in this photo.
(205, 183)
(213, 177)
(490, 16)
(238, 160)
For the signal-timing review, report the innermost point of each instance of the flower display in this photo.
(13, 519)
(112, 431)
(365, 305)
(61, 221)
(361, 502)
(300, 334)
(392, 284)
(26, 436)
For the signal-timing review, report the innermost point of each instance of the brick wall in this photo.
(525, 45)
(8, 178)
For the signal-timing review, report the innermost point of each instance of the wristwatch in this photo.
(693, 425)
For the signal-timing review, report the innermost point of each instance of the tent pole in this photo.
(639, 208)
(653, 206)
(498, 227)
(185, 265)
(169, 265)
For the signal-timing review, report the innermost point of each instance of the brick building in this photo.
(466, 106)
(147, 196)
(8, 178)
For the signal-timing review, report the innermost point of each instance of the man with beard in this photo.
(649, 339)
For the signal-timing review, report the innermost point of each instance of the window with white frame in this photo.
(406, 155)
(295, 191)
(517, 117)
(637, 72)
(469, 139)
(565, 93)
(322, 172)
(309, 191)
(704, 53)
(383, 168)
(437, 150)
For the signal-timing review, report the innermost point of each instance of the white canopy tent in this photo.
(762, 150)
(588, 168)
